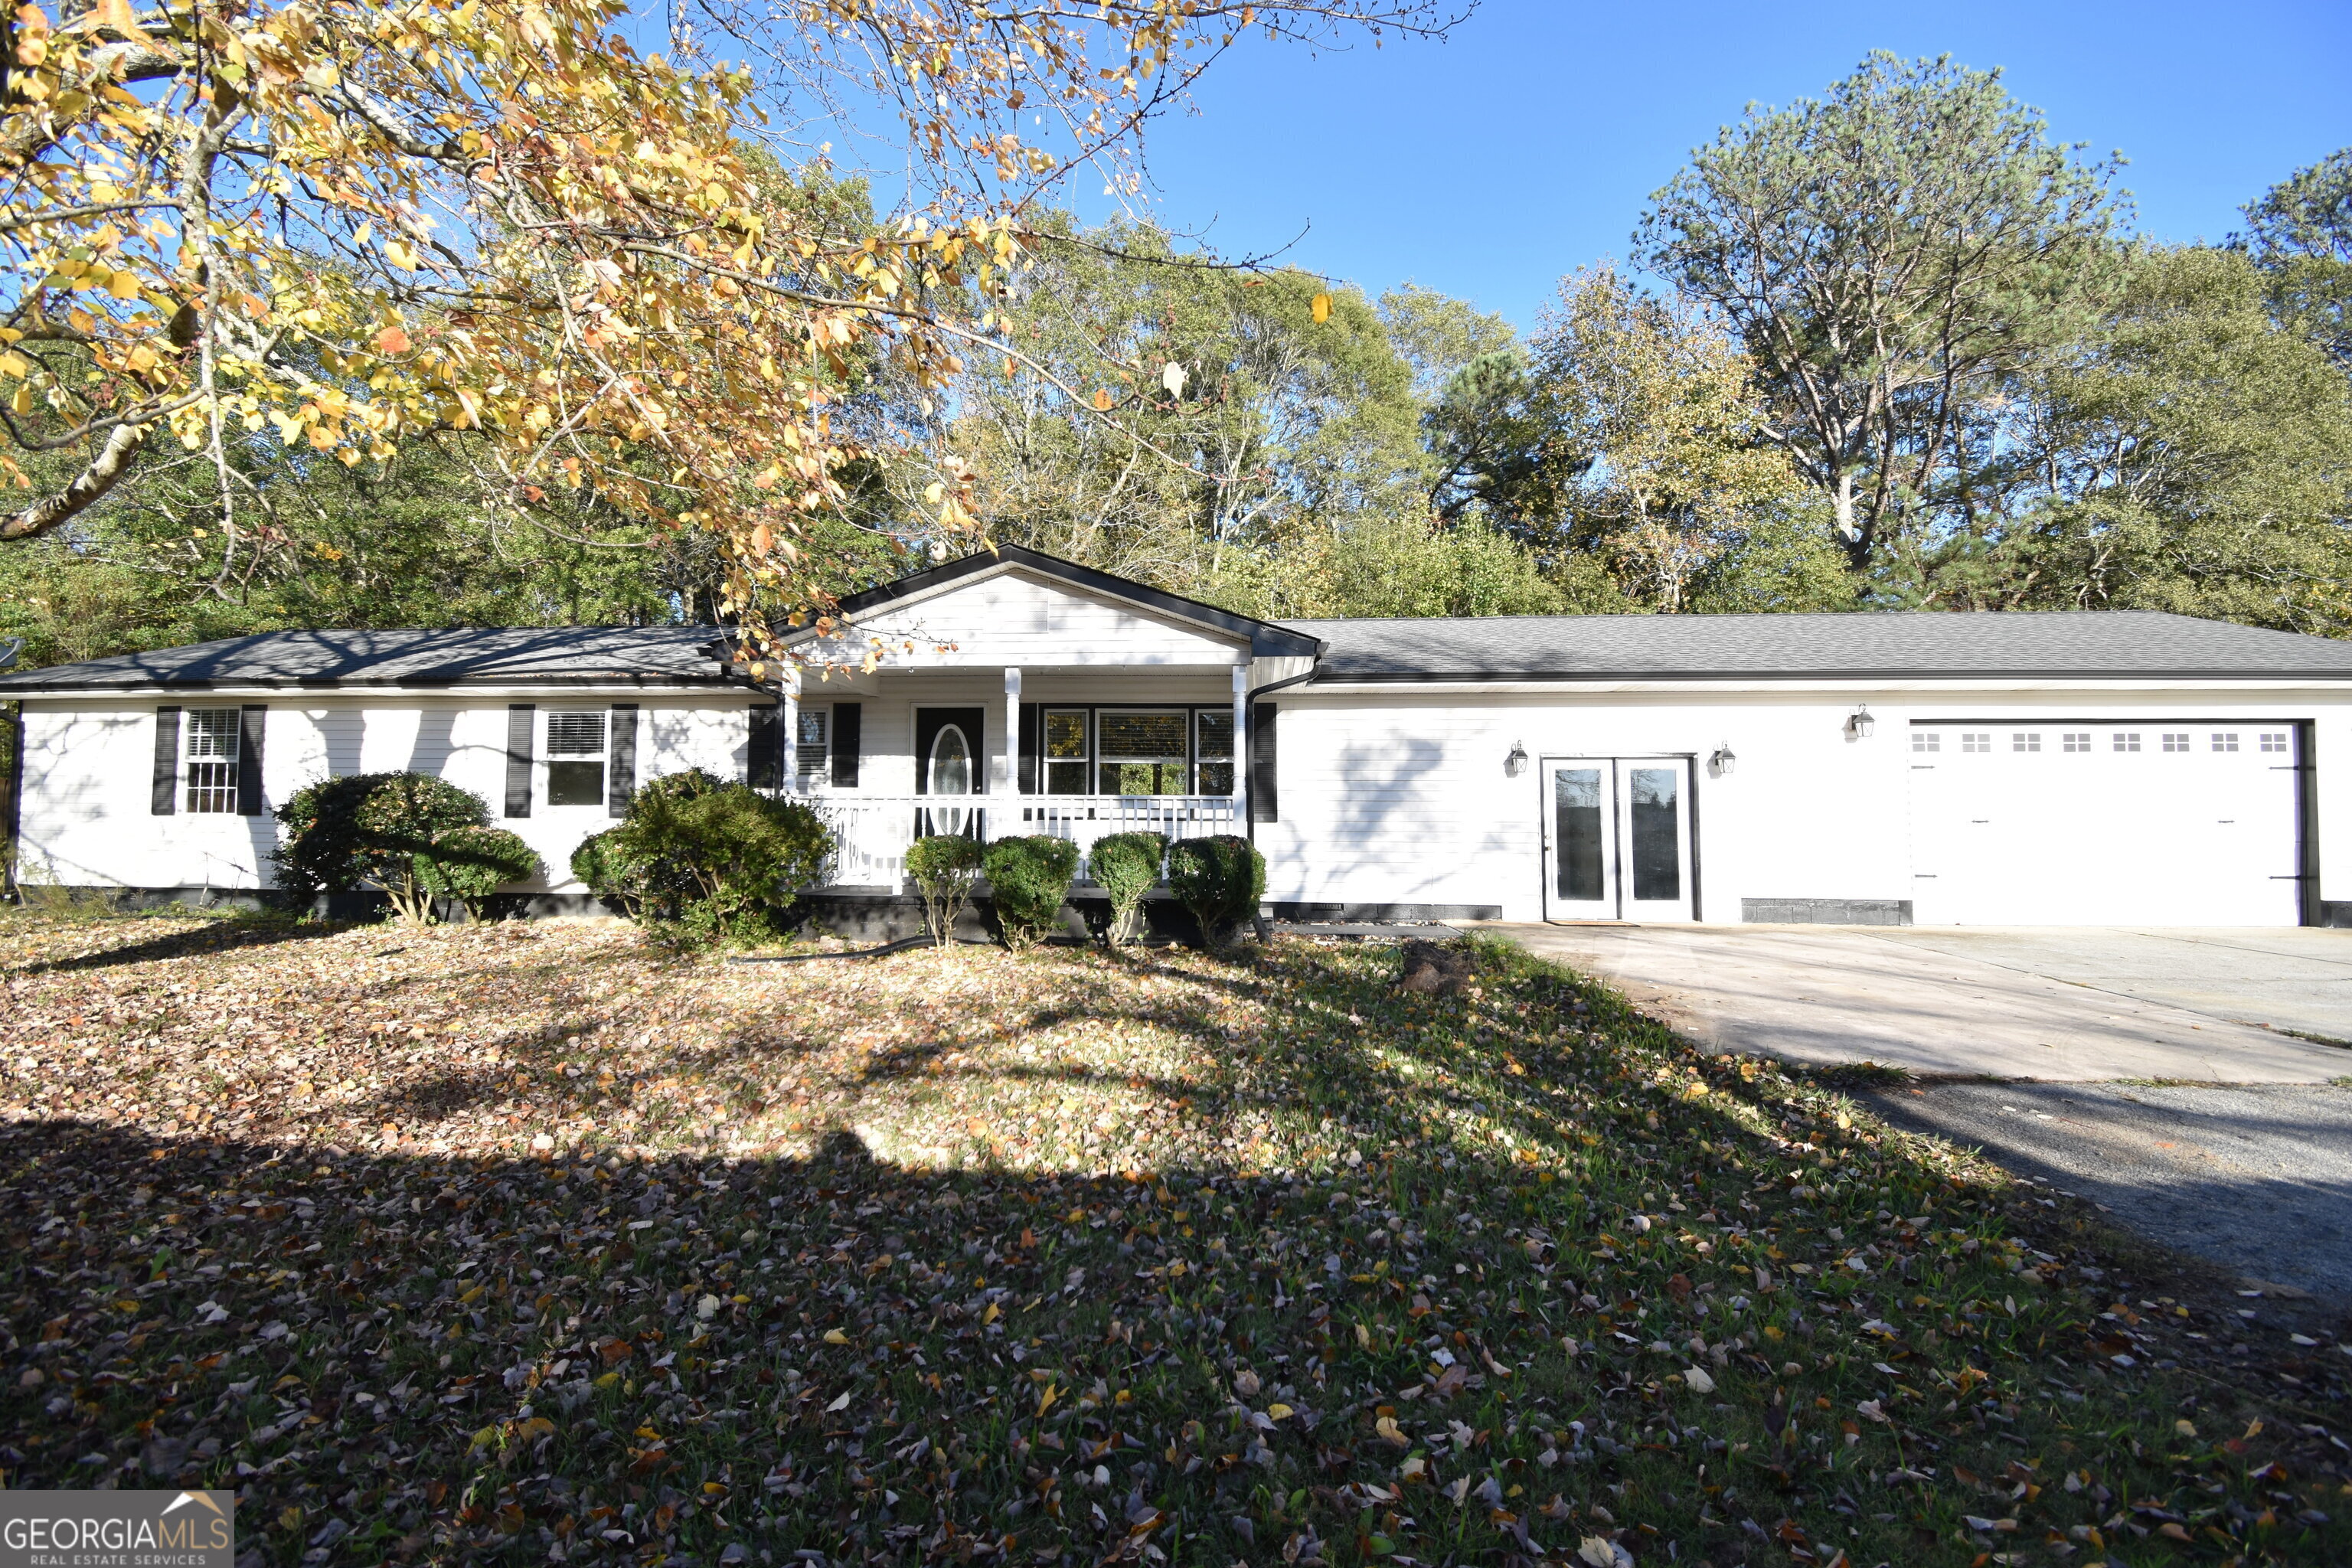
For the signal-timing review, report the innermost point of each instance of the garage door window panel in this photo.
(2126, 743)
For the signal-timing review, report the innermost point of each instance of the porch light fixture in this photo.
(1860, 724)
(1723, 762)
(1517, 763)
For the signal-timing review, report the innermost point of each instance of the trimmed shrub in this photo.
(414, 835)
(1030, 878)
(1127, 867)
(945, 867)
(1219, 879)
(698, 860)
(469, 864)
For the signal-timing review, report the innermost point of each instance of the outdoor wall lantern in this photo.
(1517, 763)
(1860, 726)
(1723, 762)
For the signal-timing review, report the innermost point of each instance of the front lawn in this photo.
(527, 1244)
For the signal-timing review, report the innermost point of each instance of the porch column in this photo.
(1012, 728)
(1241, 749)
(791, 719)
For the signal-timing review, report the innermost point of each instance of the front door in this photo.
(948, 760)
(1617, 838)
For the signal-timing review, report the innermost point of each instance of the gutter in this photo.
(1249, 711)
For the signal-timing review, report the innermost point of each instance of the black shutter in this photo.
(166, 797)
(1264, 799)
(250, 727)
(523, 720)
(620, 765)
(765, 759)
(1031, 745)
(848, 719)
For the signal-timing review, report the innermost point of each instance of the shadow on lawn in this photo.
(192, 940)
(1355, 1350)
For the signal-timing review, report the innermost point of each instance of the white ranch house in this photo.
(2063, 768)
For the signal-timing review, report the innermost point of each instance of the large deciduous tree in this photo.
(1889, 255)
(349, 224)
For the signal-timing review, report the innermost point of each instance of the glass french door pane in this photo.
(1657, 834)
(1576, 832)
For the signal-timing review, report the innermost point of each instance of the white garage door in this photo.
(2156, 823)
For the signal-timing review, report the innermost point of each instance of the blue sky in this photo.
(1528, 143)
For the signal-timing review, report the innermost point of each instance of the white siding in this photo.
(1397, 797)
(1387, 797)
(89, 773)
(1017, 619)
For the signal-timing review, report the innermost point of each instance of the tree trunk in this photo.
(88, 486)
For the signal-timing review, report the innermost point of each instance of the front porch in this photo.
(872, 832)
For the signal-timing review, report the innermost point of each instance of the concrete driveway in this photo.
(2062, 1005)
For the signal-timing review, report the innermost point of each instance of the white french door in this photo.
(1617, 838)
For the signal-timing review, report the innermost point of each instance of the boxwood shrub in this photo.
(1030, 878)
(1219, 879)
(1127, 867)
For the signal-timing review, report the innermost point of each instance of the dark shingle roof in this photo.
(1504, 648)
(1865, 643)
(569, 656)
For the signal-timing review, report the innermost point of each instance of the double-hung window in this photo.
(208, 748)
(812, 748)
(1141, 753)
(1213, 732)
(575, 758)
(1067, 751)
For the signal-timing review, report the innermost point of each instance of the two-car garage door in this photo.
(2177, 822)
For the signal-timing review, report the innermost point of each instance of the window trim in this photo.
(549, 757)
(1094, 757)
(1084, 761)
(813, 760)
(224, 794)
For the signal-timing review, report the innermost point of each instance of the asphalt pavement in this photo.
(2051, 1004)
(2256, 1177)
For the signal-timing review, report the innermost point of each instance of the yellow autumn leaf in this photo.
(1102, 400)
(123, 285)
(835, 1337)
(1045, 1400)
(1280, 1412)
(1390, 1431)
(1322, 307)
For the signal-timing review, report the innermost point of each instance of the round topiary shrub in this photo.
(1127, 867)
(1030, 878)
(945, 867)
(414, 835)
(700, 860)
(1219, 879)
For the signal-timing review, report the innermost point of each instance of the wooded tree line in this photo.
(1891, 348)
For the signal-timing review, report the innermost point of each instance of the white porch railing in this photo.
(873, 831)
